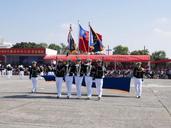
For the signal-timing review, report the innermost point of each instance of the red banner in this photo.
(20, 51)
(106, 58)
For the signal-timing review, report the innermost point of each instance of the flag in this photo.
(83, 40)
(95, 41)
(71, 43)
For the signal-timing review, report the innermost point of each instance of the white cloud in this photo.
(162, 20)
(162, 27)
(163, 33)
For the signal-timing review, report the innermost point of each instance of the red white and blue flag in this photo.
(83, 44)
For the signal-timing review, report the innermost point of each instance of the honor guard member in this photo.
(88, 71)
(21, 71)
(138, 79)
(1, 69)
(34, 71)
(99, 75)
(9, 71)
(69, 72)
(79, 72)
(59, 73)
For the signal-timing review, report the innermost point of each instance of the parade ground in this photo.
(19, 108)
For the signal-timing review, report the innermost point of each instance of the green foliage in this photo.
(44, 45)
(55, 47)
(158, 55)
(122, 50)
(140, 52)
(61, 49)
(27, 45)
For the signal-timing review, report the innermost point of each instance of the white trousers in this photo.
(9, 74)
(99, 86)
(21, 74)
(3, 73)
(88, 82)
(34, 84)
(78, 82)
(69, 80)
(138, 86)
(59, 81)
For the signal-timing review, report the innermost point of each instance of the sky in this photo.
(131, 23)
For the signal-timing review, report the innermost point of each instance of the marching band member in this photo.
(59, 73)
(21, 71)
(34, 71)
(138, 79)
(9, 71)
(99, 75)
(79, 72)
(88, 77)
(69, 77)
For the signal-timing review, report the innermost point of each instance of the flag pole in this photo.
(78, 34)
(89, 37)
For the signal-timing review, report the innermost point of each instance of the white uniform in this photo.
(99, 75)
(69, 80)
(9, 71)
(59, 81)
(33, 75)
(88, 82)
(138, 86)
(34, 84)
(21, 72)
(3, 72)
(88, 79)
(78, 78)
(99, 86)
(138, 77)
(78, 82)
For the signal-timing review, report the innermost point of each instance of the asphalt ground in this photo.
(19, 108)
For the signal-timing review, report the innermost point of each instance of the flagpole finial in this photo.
(70, 27)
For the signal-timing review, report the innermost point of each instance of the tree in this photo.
(44, 45)
(63, 48)
(122, 50)
(140, 52)
(27, 45)
(55, 47)
(158, 55)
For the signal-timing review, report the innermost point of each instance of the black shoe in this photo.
(57, 97)
(99, 98)
(88, 98)
(138, 97)
(68, 97)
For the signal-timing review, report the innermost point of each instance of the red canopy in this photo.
(161, 61)
(108, 58)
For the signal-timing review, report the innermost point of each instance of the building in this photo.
(25, 56)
